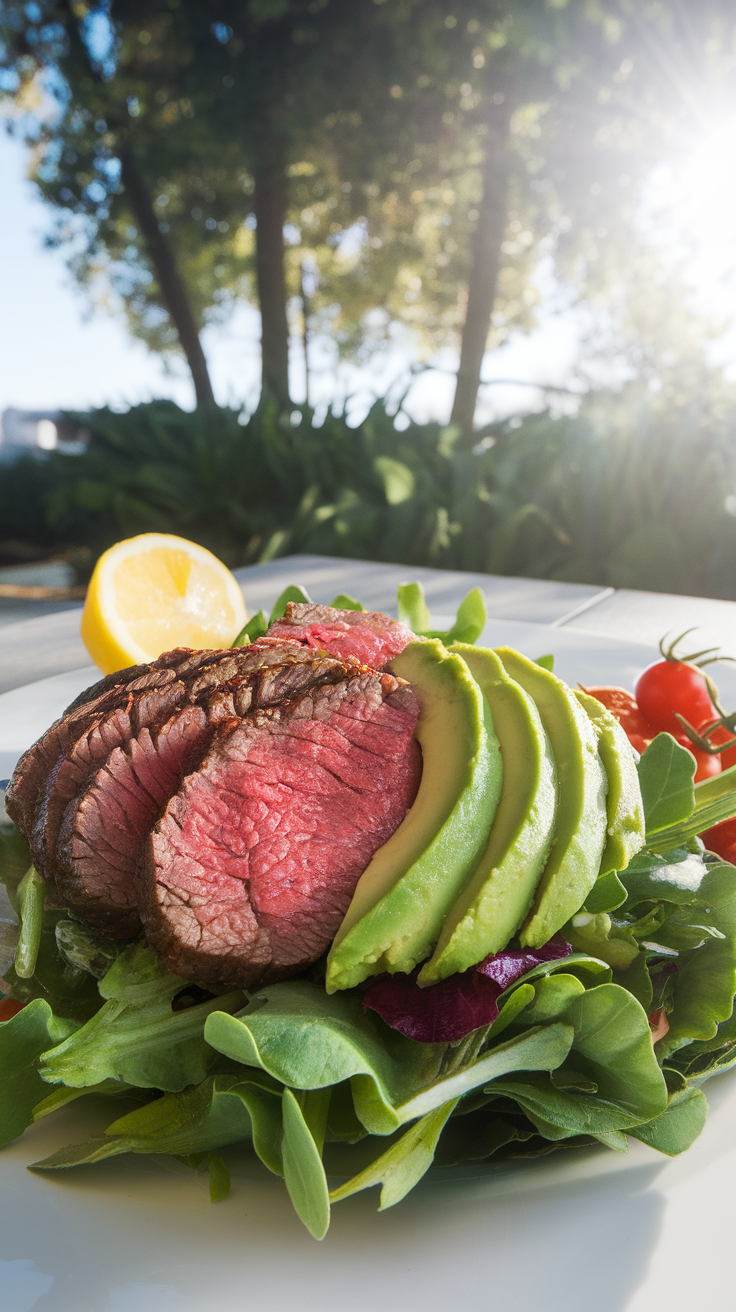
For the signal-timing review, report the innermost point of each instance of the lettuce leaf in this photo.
(136, 1037)
(308, 1039)
(209, 1116)
(402, 1165)
(22, 1040)
(666, 775)
(611, 1079)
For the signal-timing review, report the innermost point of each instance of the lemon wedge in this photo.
(154, 592)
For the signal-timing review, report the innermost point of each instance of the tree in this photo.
(95, 162)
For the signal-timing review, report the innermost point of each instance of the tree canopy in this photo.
(421, 157)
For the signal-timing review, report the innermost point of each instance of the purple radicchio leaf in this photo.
(508, 966)
(458, 1005)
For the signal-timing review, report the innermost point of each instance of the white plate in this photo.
(575, 1231)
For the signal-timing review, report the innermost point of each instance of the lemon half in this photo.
(154, 592)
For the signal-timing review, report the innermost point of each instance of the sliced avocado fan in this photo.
(580, 827)
(494, 903)
(404, 894)
(625, 811)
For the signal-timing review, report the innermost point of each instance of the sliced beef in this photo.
(102, 831)
(248, 873)
(57, 767)
(117, 691)
(372, 638)
(128, 770)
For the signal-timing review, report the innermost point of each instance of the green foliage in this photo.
(589, 498)
(318, 1085)
(666, 773)
(22, 1040)
(136, 1036)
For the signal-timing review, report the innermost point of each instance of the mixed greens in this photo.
(609, 1037)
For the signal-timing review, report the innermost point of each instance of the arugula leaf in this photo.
(262, 1097)
(200, 1119)
(676, 1128)
(611, 1079)
(470, 620)
(61, 1096)
(343, 602)
(715, 801)
(706, 981)
(293, 593)
(637, 980)
(402, 1165)
(22, 1040)
(599, 936)
(305, 1117)
(666, 772)
(542, 1048)
(255, 628)
(607, 894)
(308, 1039)
(413, 608)
(674, 877)
(136, 1037)
(475, 1136)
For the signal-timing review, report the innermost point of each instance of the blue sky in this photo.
(57, 353)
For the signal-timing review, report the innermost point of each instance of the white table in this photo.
(36, 648)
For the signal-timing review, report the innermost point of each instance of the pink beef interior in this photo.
(373, 638)
(254, 862)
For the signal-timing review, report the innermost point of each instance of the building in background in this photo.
(37, 431)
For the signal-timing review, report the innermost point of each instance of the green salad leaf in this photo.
(208, 1116)
(31, 897)
(308, 1039)
(22, 1040)
(666, 774)
(69, 990)
(294, 592)
(304, 1120)
(136, 1037)
(402, 1165)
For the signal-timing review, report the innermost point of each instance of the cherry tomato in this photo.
(721, 839)
(706, 765)
(9, 1007)
(670, 686)
(622, 704)
(640, 732)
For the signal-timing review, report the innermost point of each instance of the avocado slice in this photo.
(625, 810)
(490, 909)
(405, 892)
(580, 828)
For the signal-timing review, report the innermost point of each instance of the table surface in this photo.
(48, 644)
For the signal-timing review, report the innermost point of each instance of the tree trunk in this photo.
(173, 290)
(485, 260)
(269, 203)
